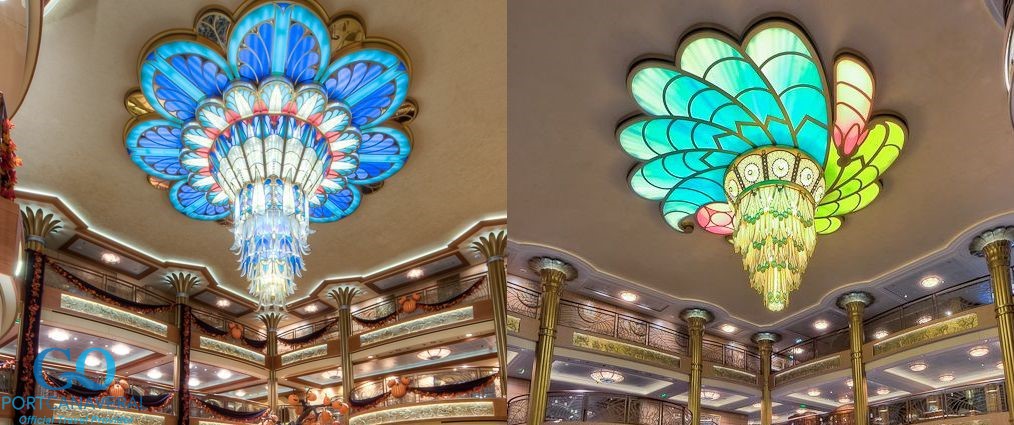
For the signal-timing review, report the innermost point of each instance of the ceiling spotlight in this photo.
(978, 351)
(917, 367)
(224, 374)
(222, 302)
(434, 353)
(947, 377)
(883, 391)
(999, 365)
(881, 334)
(930, 281)
(844, 399)
(92, 361)
(606, 376)
(59, 335)
(821, 325)
(797, 350)
(757, 405)
(193, 382)
(468, 335)
(628, 296)
(110, 258)
(154, 374)
(728, 328)
(710, 395)
(813, 392)
(312, 308)
(923, 319)
(800, 411)
(414, 273)
(240, 393)
(850, 383)
(120, 349)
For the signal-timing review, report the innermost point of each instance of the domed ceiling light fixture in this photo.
(747, 140)
(606, 376)
(274, 118)
(434, 353)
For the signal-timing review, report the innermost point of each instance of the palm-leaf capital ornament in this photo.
(747, 139)
(275, 116)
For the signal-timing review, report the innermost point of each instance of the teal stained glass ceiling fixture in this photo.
(747, 139)
(274, 116)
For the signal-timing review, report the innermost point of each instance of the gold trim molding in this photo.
(304, 354)
(231, 350)
(107, 416)
(830, 363)
(91, 308)
(425, 412)
(734, 375)
(416, 325)
(623, 349)
(513, 324)
(919, 336)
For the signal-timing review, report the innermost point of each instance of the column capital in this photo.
(701, 315)
(863, 298)
(38, 225)
(492, 246)
(271, 319)
(1000, 234)
(182, 282)
(765, 337)
(343, 296)
(541, 265)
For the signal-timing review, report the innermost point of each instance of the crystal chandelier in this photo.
(274, 126)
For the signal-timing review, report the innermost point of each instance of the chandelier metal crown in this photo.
(275, 119)
(747, 140)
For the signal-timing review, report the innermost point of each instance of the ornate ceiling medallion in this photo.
(274, 117)
(747, 139)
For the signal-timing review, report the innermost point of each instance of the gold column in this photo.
(343, 297)
(554, 274)
(493, 247)
(37, 227)
(696, 318)
(995, 246)
(853, 303)
(765, 342)
(271, 318)
(182, 283)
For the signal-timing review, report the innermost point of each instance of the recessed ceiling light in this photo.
(120, 349)
(844, 399)
(930, 281)
(222, 302)
(947, 377)
(331, 374)
(917, 367)
(59, 335)
(92, 361)
(414, 273)
(224, 374)
(606, 376)
(999, 365)
(434, 353)
(978, 351)
(923, 319)
(881, 334)
(757, 405)
(850, 383)
(710, 395)
(240, 393)
(800, 411)
(883, 391)
(813, 392)
(193, 382)
(468, 335)
(821, 325)
(312, 308)
(110, 258)
(628, 296)
(797, 350)
(370, 356)
(728, 328)
(154, 374)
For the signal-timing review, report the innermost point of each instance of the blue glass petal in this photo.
(336, 205)
(279, 39)
(691, 194)
(194, 203)
(372, 82)
(382, 153)
(177, 75)
(155, 146)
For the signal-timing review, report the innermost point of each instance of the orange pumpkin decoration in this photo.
(311, 396)
(325, 418)
(118, 389)
(406, 380)
(408, 305)
(325, 400)
(236, 330)
(398, 387)
(336, 404)
(293, 399)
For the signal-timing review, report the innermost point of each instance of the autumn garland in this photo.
(449, 390)
(8, 158)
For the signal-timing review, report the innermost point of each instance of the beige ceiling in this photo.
(938, 64)
(70, 134)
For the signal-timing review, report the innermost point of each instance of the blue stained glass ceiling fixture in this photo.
(273, 117)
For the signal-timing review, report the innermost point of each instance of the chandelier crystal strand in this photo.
(271, 228)
(775, 235)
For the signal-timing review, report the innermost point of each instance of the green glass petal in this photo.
(655, 179)
(646, 138)
(691, 194)
(853, 185)
(827, 225)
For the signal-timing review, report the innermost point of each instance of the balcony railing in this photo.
(434, 294)
(199, 411)
(601, 321)
(432, 378)
(573, 406)
(111, 284)
(165, 409)
(222, 322)
(7, 383)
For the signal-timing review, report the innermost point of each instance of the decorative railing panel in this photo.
(200, 410)
(566, 406)
(416, 390)
(222, 322)
(110, 284)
